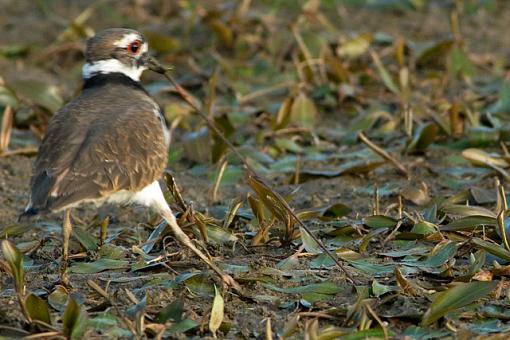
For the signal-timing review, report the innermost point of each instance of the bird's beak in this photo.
(155, 66)
(142, 61)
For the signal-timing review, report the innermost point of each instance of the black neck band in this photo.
(118, 78)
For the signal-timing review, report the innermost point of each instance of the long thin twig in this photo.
(401, 169)
(157, 67)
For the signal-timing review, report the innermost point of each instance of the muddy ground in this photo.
(266, 270)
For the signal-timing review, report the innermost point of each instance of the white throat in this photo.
(111, 66)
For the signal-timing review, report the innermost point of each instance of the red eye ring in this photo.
(134, 47)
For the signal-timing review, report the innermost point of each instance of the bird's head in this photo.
(116, 50)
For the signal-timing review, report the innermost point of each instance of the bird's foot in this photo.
(64, 276)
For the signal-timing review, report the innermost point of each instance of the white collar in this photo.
(111, 66)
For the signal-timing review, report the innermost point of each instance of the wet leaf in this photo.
(459, 296)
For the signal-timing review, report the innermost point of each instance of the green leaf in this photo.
(372, 268)
(288, 144)
(183, 326)
(464, 210)
(38, 93)
(7, 97)
(492, 248)
(98, 266)
(173, 311)
(335, 211)
(303, 111)
(37, 308)
(423, 137)
(74, 321)
(355, 47)
(433, 52)
(326, 287)
(86, 238)
(15, 260)
(503, 103)
(58, 298)
(310, 244)
(424, 227)
(379, 289)
(384, 74)
(380, 221)
(441, 255)
(461, 65)
(220, 235)
(110, 326)
(459, 296)
(469, 223)
(373, 333)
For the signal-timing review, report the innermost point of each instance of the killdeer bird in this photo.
(108, 145)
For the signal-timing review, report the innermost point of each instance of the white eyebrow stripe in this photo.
(127, 39)
(145, 48)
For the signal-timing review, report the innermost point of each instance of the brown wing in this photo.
(88, 154)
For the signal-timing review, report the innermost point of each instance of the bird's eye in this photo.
(134, 47)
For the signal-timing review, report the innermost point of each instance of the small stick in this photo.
(401, 169)
(376, 317)
(158, 68)
(376, 199)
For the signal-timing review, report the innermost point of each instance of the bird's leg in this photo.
(66, 234)
(167, 214)
(104, 230)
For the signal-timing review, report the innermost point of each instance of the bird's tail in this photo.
(28, 214)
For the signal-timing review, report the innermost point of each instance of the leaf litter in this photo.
(390, 147)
